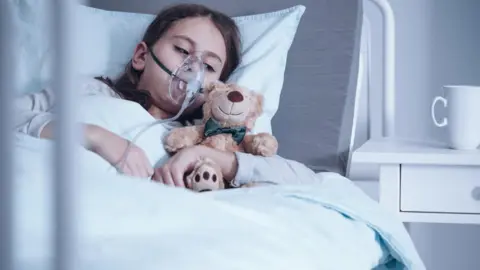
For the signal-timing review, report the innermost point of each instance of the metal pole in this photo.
(6, 137)
(67, 134)
(388, 67)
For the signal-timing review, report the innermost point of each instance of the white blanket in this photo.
(127, 223)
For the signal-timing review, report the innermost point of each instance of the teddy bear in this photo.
(229, 115)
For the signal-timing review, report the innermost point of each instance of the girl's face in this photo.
(187, 36)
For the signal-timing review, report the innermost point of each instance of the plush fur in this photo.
(230, 106)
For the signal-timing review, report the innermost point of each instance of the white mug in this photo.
(463, 115)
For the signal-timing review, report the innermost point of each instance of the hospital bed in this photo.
(64, 208)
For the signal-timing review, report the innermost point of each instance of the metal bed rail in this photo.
(388, 106)
(7, 66)
(67, 132)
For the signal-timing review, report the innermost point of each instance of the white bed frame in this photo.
(65, 198)
(371, 119)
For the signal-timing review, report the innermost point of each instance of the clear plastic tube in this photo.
(189, 98)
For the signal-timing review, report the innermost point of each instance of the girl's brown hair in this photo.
(126, 84)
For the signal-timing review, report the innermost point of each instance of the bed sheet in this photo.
(127, 223)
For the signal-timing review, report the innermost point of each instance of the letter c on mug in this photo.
(445, 104)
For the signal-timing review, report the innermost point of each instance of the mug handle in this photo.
(445, 103)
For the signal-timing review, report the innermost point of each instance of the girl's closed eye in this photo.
(181, 50)
(209, 67)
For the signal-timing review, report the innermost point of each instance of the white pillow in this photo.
(105, 41)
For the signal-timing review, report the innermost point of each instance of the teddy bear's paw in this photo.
(175, 142)
(205, 177)
(264, 144)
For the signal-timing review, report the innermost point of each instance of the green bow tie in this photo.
(213, 128)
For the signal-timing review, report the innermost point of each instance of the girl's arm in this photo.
(33, 110)
(34, 117)
(92, 135)
(242, 168)
(273, 169)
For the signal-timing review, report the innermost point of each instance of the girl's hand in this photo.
(112, 148)
(174, 170)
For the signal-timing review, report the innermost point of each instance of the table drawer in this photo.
(440, 189)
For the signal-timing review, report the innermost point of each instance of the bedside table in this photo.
(424, 182)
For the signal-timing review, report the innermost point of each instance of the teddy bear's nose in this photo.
(235, 96)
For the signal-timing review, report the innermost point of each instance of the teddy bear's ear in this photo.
(259, 100)
(209, 87)
(256, 110)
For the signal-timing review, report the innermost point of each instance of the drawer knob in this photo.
(476, 193)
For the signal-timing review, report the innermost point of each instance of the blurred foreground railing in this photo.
(67, 134)
(7, 65)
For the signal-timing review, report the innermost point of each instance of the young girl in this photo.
(175, 33)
